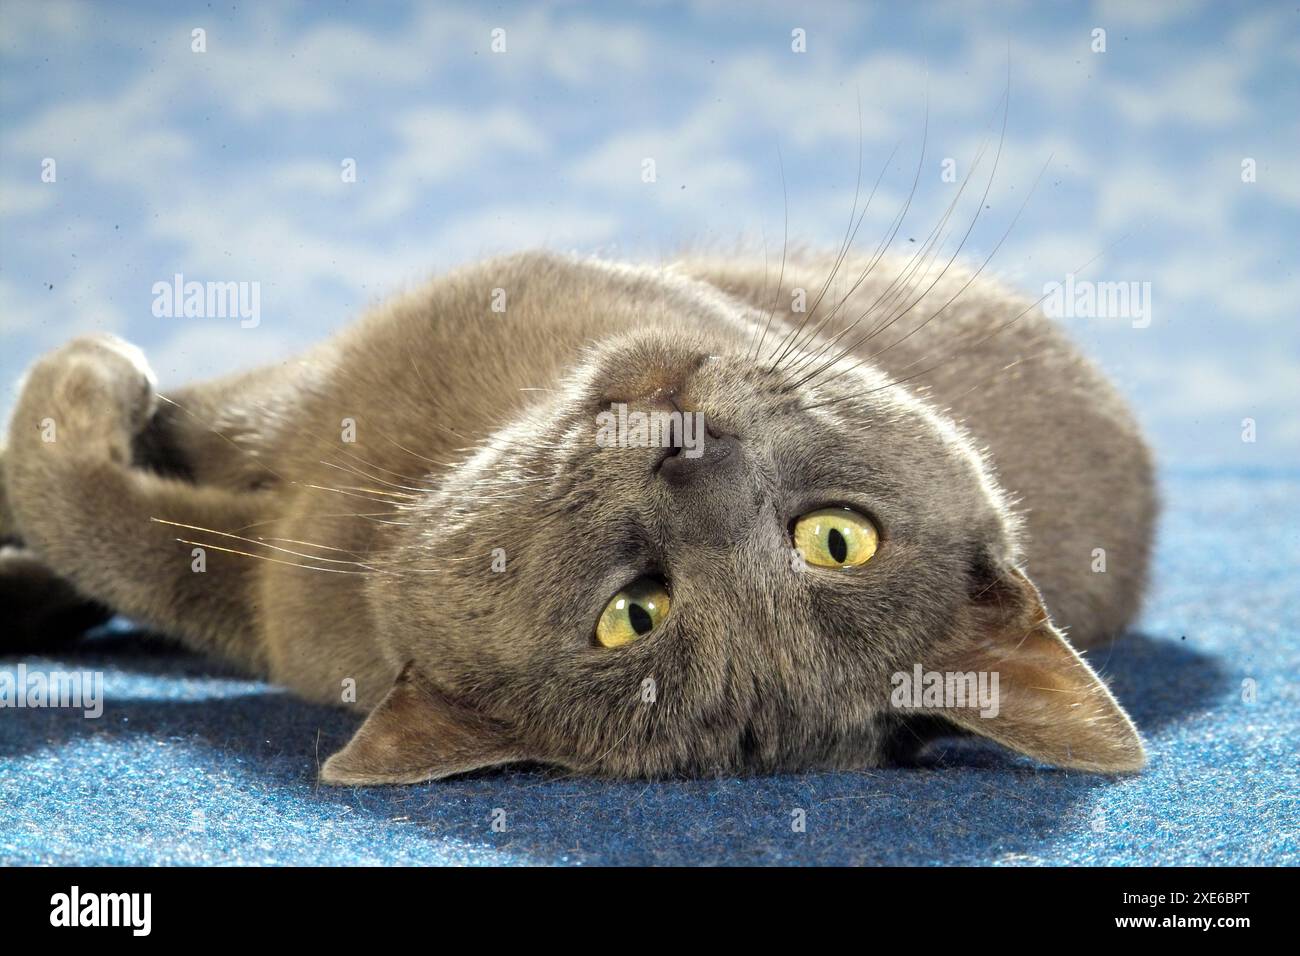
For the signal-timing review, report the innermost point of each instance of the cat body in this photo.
(413, 517)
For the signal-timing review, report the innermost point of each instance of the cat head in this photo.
(774, 585)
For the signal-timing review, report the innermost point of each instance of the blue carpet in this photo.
(192, 765)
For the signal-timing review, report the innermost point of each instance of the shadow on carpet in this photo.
(967, 802)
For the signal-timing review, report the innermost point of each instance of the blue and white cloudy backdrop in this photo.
(224, 155)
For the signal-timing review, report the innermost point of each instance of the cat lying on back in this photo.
(913, 474)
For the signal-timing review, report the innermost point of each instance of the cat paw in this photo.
(94, 384)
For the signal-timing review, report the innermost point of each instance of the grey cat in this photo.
(912, 474)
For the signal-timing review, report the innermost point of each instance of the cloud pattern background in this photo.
(225, 165)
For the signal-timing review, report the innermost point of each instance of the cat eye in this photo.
(835, 538)
(633, 612)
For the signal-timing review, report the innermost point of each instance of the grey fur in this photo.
(983, 453)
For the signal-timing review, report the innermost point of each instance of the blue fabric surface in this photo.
(189, 764)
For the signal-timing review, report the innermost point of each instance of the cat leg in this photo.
(111, 530)
(40, 609)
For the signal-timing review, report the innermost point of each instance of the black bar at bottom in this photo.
(215, 906)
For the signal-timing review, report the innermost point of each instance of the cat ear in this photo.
(1050, 704)
(416, 734)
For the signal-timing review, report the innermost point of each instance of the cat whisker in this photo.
(872, 262)
(1081, 270)
(309, 544)
(416, 454)
(504, 481)
(467, 557)
(890, 232)
(352, 494)
(390, 484)
(974, 219)
(951, 260)
(977, 272)
(379, 491)
(900, 283)
(263, 557)
(785, 245)
(341, 514)
(258, 542)
(924, 253)
(965, 285)
(850, 233)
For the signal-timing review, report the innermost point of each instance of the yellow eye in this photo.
(835, 538)
(633, 612)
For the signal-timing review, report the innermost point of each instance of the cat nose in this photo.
(715, 457)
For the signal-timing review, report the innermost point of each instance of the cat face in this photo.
(734, 649)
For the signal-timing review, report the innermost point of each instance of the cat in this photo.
(903, 471)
